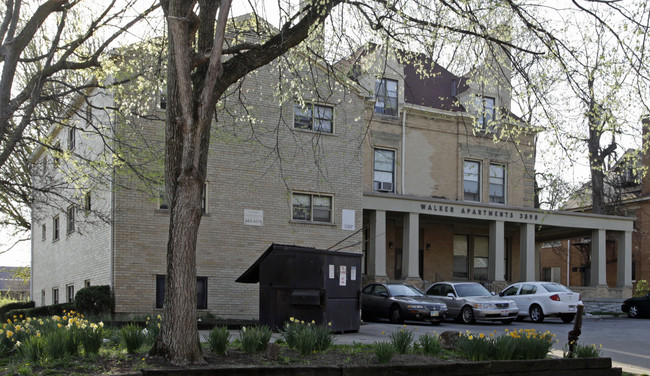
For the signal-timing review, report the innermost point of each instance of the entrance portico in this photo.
(501, 225)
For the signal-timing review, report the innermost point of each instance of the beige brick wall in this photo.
(256, 160)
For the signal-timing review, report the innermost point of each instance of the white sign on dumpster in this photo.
(343, 275)
(331, 271)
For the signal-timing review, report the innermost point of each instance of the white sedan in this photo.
(541, 299)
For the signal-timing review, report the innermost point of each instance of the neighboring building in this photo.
(390, 165)
(11, 285)
(626, 194)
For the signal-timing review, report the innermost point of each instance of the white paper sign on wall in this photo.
(253, 217)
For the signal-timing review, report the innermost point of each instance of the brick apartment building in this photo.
(384, 162)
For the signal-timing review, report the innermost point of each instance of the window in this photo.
(71, 138)
(498, 183)
(312, 208)
(70, 293)
(201, 292)
(43, 232)
(472, 181)
(87, 283)
(461, 256)
(163, 100)
(510, 291)
(486, 113)
(70, 218)
(204, 198)
(386, 92)
(55, 295)
(551, 274)
(384, 170)
(528, 289)
(87, 203)
(89, 114)
(481, 252)
(55, 228)
(42, 298)
(314, 117)
(163, 204)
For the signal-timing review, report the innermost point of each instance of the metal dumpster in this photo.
(307, 284)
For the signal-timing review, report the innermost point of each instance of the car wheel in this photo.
(536, 313)
(396, 315)
(633, 312)
(567, 317)
(467, 315)
(507, 322)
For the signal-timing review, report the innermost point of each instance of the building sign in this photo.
(253, 217)
(347, 222)
(477, 213)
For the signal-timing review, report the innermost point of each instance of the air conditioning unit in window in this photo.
(383, 186)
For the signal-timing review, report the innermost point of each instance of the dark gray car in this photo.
(399, 302)
(470, 301)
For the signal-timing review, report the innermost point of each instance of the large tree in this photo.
(456, 34)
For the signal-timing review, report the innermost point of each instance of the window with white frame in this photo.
(43, 232)
(201, 291)
(311, 208)
(55, 228)
(384, 170)
(163, 202)
(472, 180)
(386, 96)
(487, 112)
(87, 283)
(497, 183)
(314, 117)
(42, 297)
(70, 219)
(89, 114)
(87, 202)
(55, 155)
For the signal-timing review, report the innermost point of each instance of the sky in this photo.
(18, 255)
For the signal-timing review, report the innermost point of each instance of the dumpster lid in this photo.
(252, 274)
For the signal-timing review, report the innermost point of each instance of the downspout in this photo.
(403, 190)
(568, 263)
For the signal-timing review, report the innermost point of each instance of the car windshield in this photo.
(555, 287)
(404, 290)
(471, 289)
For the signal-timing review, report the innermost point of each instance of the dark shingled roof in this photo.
(8, 282)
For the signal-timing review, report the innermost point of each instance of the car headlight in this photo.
(513, 304)
(484, 306)
(415, 306)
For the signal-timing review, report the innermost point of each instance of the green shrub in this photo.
(475, 347)
(59, 342)
(254, 339)
(32, 350)
(218, 339)
(584, 351)
(42, 311)
(133, 337)
(430, 344)
(307, 338)
(11, 306)
(641, 288)
(153, 329)
(94, 300)
(323, 336)
(91, 338)
(384, 351)
(402, 340)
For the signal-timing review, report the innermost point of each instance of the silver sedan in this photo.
(470, 301)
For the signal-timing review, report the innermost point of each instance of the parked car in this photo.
(470, 301)
(399, 302)
(540, 299)
(637, 307)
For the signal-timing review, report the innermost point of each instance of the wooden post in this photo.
(575, 333)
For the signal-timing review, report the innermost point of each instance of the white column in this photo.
(527, 252)
(598, 260)
(377, 245)
(496, 250)
(624, 263)
(410, 254)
